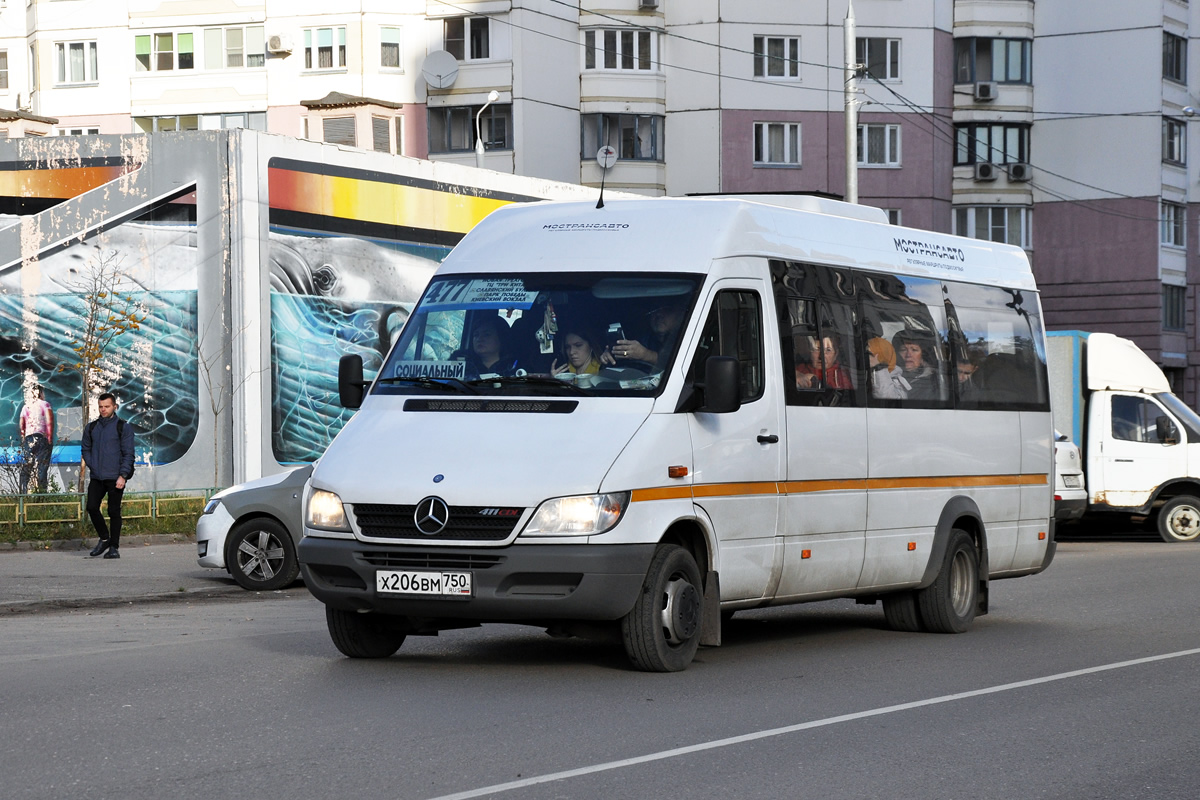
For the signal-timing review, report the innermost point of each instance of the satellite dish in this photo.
(440, 69)
(606, 156)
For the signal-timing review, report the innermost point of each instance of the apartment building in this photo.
(1059, 126)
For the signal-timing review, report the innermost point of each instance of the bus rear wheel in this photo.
(662, 632)
(900, 611)
(948, 604)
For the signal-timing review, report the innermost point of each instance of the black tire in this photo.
(900, 611)
(948, 604)
(662, 631)
(363, 635)
(261, 555)
(1179, 519)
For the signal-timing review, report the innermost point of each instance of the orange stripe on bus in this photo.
(847, 484)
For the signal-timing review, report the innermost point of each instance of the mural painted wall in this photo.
(350, 252)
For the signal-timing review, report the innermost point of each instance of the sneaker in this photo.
(100, 547)
(113, 553)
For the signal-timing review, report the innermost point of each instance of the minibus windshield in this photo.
(568, 333)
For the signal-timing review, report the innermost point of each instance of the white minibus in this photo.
(640, 418)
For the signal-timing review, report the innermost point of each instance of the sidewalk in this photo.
(152, 568)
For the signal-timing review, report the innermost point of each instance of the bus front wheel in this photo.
(948, 604)
(362, 635)
(662, 631)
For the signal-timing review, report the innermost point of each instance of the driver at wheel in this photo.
(665, 324)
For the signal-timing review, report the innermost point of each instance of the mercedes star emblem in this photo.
(431, 515)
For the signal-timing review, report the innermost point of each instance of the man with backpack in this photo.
(107, 449)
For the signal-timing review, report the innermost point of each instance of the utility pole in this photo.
(851, 108)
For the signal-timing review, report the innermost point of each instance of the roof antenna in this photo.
(606, 156)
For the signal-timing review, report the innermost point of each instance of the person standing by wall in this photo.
(107, 450)
(37, 436)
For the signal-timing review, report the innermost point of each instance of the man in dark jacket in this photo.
(107, 450)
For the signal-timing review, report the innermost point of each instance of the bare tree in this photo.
(217, 374)
(109, 311)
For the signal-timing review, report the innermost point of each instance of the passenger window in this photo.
(904, 332)
(996, 347)
(1135, 419)
(821, 355)
(733, 328)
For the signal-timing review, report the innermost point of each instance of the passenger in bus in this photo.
(968, 364)
(808, 362)
(915, 353)
(887, 379)
(489, 353)
(581, 354)
(665, 324)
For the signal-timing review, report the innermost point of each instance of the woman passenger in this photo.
(489, 354)
(581, 355)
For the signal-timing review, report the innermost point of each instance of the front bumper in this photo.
(211, 530)
(516, 583)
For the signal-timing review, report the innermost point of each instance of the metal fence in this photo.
(69, 507)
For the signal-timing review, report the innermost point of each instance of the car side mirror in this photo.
(1167, 432)
(350, 381)
(722, 385)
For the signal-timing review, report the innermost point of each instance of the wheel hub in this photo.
(681, 613)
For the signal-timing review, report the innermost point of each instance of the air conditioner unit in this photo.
(986, 90)
(648, 3)
(985, 171)
(1019, 172)
(279, 44)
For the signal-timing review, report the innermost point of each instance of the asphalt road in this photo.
(1079, 684)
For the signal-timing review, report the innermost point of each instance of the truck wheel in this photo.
(948, 604)
(1179, 519)
(362, 635)
(662, 631)
(262, 555)
(900, 611)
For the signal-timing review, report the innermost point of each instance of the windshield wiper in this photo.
(534, 380)
(445, 384)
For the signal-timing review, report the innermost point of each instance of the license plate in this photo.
(452, 584)
(1071, 481)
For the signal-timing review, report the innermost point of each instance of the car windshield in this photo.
(569, 333)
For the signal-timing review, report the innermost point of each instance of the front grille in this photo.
(388, 560)
(465, 523)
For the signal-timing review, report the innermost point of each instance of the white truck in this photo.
(1140, 443)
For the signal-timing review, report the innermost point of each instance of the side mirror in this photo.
(722, 385)
(350, 381)
(1166, 430)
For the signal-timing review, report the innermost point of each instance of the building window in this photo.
(1007, 224)
(777, 143)
(467, 38)
(381, 134)
(893, 215)
(339, 130)
(325, 48)
(160, 124)
(1174, 232)
(389, 48)
(78, 131)
(234, 48)
(76, 62)
(999, 60)
(3, 69)
(636, 137)
(623, 49)
(776, 56)
(879, 57)
(452, 129)
(879, 145)
(1173, 145)
(982, 142)
(399, 121)
(1174, 58)
(1174, 308)
(159, 52)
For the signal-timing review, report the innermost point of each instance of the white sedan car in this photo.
(252, 529)
(1070, 490)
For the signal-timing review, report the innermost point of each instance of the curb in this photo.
(82, 544)
(207, 593)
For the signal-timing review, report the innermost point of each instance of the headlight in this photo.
(211, 506)
(577, 516)
(325, 511)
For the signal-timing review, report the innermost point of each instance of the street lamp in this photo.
(493, 96)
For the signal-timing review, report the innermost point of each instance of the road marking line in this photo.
(803, 726)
